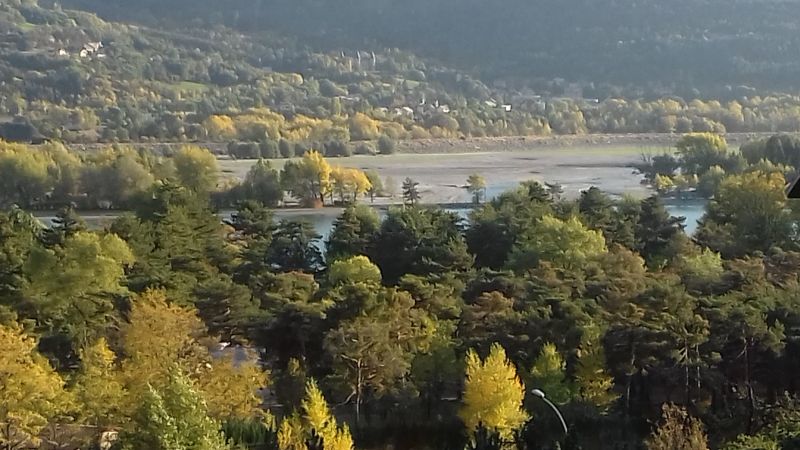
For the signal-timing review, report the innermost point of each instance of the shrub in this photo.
(270, 149)
(386, 145)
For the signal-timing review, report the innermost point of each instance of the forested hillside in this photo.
(340, 78)
(680, 45)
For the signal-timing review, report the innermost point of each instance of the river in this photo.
(323, 220)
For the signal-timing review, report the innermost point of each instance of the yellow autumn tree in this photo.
(98, 387)
(349, 183)
(31, 392)
(363, 128)
(493, 393)
(220, 127)
(157, 337)
(316, 419)
(595, 385)
(196, 168)
(160, 336)
(309, 180)
(231, 389)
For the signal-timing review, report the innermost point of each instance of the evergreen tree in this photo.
(410, 193)
(352, 233)
(66, 223)
(658, 235)
(293, 248)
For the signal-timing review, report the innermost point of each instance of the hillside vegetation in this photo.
(324, 76)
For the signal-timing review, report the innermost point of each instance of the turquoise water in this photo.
(692, 210)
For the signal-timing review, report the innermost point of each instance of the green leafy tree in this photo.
(174, 417)
(375, 185)
(748, 213)
(24, 177)
(566, 244)
(701, 151)
(358, 269)
(262, 184)
(386, 145)
(196, 168)
(549, 375)
(73, 284)
(373, 352)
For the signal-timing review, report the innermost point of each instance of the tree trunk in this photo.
(687, 383)
(359, 381)
(751, 401)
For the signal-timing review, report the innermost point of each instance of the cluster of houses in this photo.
(88, 50)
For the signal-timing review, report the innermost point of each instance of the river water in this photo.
(323, 220)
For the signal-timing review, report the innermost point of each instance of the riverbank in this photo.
(484, 144)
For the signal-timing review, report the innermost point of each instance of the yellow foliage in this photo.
(317, 418)
(349, 183)
(319, 172)
(31, 392)
(160, 336)
(232, 389)
(98, 386)
(196, 168)
(291, 435)
(220, 127)
(157, 337)
(493, 393)
(663, 183)
(363, 128)
(595, 384)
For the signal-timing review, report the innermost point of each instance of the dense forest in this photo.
(344, 75)
(171, 329)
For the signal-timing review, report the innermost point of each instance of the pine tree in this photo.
(410, 193)
(66, 224)
(493, 394)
